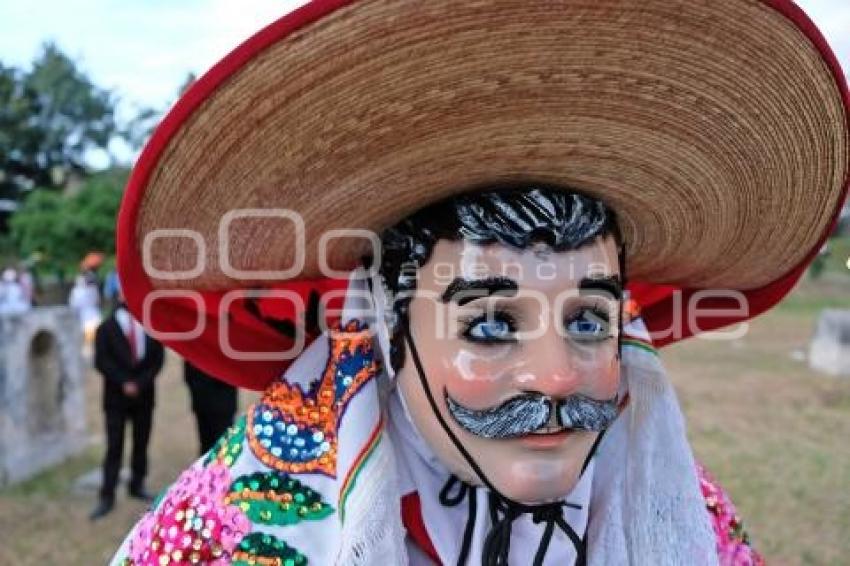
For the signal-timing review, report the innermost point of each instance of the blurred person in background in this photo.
(129, 360)
(13, 296)
(84, 300)
(213, 403)
(111, 287)
(27, 282)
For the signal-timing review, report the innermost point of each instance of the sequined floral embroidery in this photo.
(295, 432)
(193, 524)
(733, 543)
(274, 498)
(228, 448)
(266, 550)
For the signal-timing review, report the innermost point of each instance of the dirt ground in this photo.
(771, 430)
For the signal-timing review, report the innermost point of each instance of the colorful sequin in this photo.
(228, 448)
(295, 432)
(733, 543)
(266, 550)
(193, 524)
(274, 498)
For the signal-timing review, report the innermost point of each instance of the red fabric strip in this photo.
(411, 518)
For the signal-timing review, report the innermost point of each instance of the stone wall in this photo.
(42, 391)
(829, 350)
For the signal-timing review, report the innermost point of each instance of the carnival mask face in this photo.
(519, 349)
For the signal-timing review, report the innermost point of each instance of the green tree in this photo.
(63, 228)
(50, 117)
(18, 134)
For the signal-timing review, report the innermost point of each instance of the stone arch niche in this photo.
(46, 389)
(42, 391)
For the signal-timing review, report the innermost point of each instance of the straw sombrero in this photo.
(718, 131)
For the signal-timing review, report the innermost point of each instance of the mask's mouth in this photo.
(550, 430)
(551, 427)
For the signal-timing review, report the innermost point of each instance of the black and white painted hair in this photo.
(518, 217)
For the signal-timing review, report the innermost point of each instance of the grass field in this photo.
(771, 430)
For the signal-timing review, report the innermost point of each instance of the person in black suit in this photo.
(129, 360)
(213, 402)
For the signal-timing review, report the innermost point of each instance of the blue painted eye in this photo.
(588, 324)
(490, 330)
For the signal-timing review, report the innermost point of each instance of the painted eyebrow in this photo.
(606, 284)
(462, 290)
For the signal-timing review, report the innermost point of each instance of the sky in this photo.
(144, 49)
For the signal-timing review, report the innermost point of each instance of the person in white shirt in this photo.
(13, 299)
(84, 300)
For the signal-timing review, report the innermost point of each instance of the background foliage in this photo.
(54, 208)
(52, 116)
(61, 228)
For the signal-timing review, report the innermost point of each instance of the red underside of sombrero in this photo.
(671, 313)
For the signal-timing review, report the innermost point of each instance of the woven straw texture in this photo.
(714, 129)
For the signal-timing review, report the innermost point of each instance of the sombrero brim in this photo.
(718, 131)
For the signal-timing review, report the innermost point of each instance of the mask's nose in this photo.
(549, 368)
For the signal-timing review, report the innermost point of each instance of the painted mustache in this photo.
(530, 412)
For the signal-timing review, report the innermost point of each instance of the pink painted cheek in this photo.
(475, 382)
(476, 364)
(599, 368)
(608, 382)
